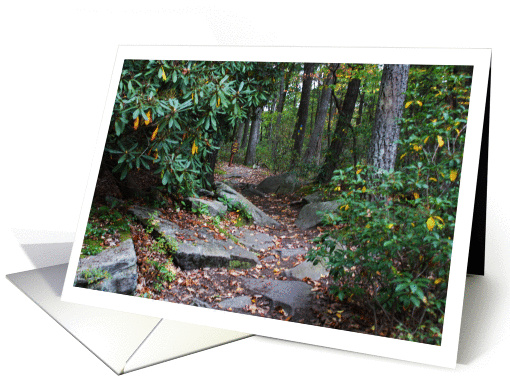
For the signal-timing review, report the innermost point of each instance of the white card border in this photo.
(444, 355)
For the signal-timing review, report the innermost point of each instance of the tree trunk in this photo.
(386, 130)
(246, 133)
(360, 109)
(345, 113)
(254, 137)
(299, 129)
(314, 144)
(330, 117)
(240, 131)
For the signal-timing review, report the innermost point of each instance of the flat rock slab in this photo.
(254, 240)
(144, 213)
(307, 269)
(260, 218)
(239, 302)
(119, 262)
(291, 252)
(197, 252)
(214, 207)
(294, 297)
(309, 216)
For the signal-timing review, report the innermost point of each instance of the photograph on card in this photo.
(318, 193)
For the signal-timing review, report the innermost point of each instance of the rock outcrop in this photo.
(309, 216)
(259, 217)
(112, 270)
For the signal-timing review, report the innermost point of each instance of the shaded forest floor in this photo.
(210, 286)
(214, 285)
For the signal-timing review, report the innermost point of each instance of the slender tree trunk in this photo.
(360, 109)
(284, 87)
(313, 148)
(330, 117)
(240, 131)
(299, 129)
(345, 113)
(386, 130)
(254, 137)
(246, 132)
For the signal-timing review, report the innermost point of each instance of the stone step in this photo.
(295, 297)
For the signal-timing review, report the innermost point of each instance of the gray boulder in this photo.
(259, 217)
(285, 183)
(316, 197)
(214, 207)
(112, 270)
(295, 297)
(308, 216)
(307, 269)
(239, 302)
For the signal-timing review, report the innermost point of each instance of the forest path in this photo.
(284, 285)
(281, 285)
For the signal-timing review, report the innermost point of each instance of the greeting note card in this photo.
(320, 195)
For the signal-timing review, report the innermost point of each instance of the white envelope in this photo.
(123, 341)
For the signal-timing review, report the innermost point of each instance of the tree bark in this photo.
(240, 131)
(254, 138)
(386, 130)
(300, 127)
(345, 113)
(246, 132)
(314, 144)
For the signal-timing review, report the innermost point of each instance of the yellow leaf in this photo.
(453, 175)
(437, 281)
(154, 134)
(218, 103)
(433, 179)
(440, 141)
(416, 148)
(408, 104)
(363, 189)
(149, 119)
(337, 188)
(194, 149)
(416, 195)
(137, 121)
(430, 223)
(164, 75)
(439, 218)
(403, 155)
(426, 139)
(358, 171)
(390, 225)
(419, 103)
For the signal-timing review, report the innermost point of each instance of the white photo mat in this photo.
(444, 355)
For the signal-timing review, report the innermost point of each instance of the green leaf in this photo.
(415, 301)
